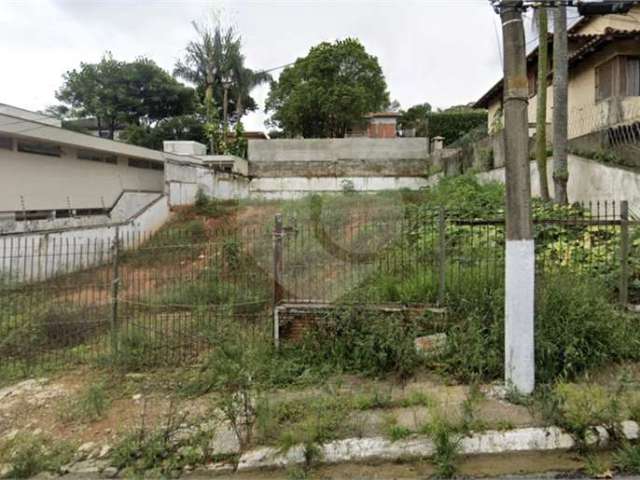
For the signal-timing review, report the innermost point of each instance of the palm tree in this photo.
(246, 80)
(215, 58)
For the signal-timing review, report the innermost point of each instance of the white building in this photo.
(48, 173)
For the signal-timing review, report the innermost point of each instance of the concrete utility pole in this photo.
(560, 105)
(520, 259)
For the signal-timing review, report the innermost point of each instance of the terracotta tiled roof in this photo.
(593, 42)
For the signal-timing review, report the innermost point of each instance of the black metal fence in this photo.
(142, 300)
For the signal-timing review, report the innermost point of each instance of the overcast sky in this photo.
(444, 52)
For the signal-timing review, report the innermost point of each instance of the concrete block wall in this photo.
(340, 168)
(335, 149)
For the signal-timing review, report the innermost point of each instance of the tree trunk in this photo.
(112, 128)
(541, 112)
(239, 106)
(560, 109)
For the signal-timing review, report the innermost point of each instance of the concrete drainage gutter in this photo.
(377, 448)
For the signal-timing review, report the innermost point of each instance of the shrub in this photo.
(89, 406)
(201, 201)
(627, 458)
(446, 441)
(463, 196)
(576, 329)
(161, 453)
(310, 422)
(139, 349)
(453, 125)
(395, 431)
(580, 408)
(363, 341)
(28, 455)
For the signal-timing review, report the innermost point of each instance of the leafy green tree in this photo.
(415, 117)
(181, 127)
(115, 92)
(450, 123)
(327, 91)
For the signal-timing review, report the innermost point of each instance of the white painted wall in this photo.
(30, 257)
(183, 179)
(588, 181)
(296, 187)
(128, 205)
(45, 182)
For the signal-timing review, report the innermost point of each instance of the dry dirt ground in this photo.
(41, 404)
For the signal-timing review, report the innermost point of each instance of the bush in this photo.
(576, 329)
(363, 341)
(580, 408)
(446, 440)
(28, 455)
(161, 453)
(89, 406)
(453, 125)
(462, 196)
(140, 349)
(627, 458)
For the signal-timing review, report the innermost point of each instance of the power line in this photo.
(276, 68)
(499, 46)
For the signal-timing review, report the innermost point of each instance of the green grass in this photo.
(28, 455)
(446, 441)
(89, 405)
(627, 458)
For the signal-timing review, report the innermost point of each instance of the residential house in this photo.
(376, 125)
(604, 78)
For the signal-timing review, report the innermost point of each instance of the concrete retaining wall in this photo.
(37, 256)
(342, 168)
(334, 149)
(588, 181)
(297, 187)
(128, 205)
(183, 179)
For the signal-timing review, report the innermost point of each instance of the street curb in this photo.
(531, 439)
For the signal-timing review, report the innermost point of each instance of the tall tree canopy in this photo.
(213, 58)
(450, 123)
(327, 91)
(115, 92)
(415, 118)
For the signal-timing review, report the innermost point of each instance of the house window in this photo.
(97, 156)
(39, 148)
(147, 164)
(6, 143)
(618, 77)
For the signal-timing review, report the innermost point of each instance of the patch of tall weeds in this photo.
(576, 329)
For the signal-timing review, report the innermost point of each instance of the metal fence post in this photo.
(624, 252)
(441, 256)
(278, 266)
(115, 281)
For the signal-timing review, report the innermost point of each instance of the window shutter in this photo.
(605, 75)
(633, 77)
